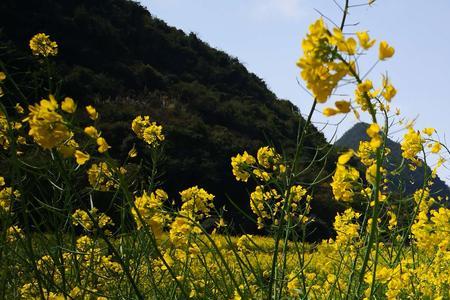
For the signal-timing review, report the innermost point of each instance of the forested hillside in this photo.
(118, 56)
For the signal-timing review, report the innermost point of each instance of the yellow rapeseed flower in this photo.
(149, 210)
(365, 86)
(5, 127)
(385, 51)
(153, 134)
(93, 114)
(19, 108)
(102, 145)
(101, 177)
(197, 202)
(376, 142)
(47, 126)
(329, 111)
(81, 157)
(343, 106)
(347, 46)
(68, 105)
(343, 184)
(321, 73)
(412, 144)
(133, 152)
(373, 130)
(371, 173)
(148, 131)
(365, 153)
(389, 92)
(436, 147)
(7, 197)
(429, 131)
(68, 148)
(92, 132)
(14, 233)
(240, 164)
(40, 44)
(364, 40)
(345, 157)
(268, 157)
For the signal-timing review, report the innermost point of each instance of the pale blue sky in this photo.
(265, 35)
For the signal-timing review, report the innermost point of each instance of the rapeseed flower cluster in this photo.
(96, 273)
(14, 233)
(148, 131)
(266, 202)
(345, 179)
(103, 177)
(267, 165)
(92, 220)
(241, 165)
(260, 202)
(320, 68)
(41, 45)
(149, 210)
(412, 144)
(50, 129)
(47, 126)
(196, 206)
(7, 129)
(329, 56)
(7, 197)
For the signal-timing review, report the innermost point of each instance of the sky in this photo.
(265, 35)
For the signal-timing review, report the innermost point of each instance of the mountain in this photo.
(405, 181)
(116, 55)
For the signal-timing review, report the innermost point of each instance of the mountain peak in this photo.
(408, 181)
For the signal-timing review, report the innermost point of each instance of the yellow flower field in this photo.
(160, 246)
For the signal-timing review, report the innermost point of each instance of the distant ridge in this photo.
(407, 181)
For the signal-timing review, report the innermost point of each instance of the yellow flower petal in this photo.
(364, 40)
(19, 108)
(68, 105)
(428, 131)
(133, 152)
(385, 51)
(345, 157)
(102, 145)
(81, 157)
(93, 114)
(436, 147)
(92, 132)
(330, 111)
(343, 106)
(373, 130)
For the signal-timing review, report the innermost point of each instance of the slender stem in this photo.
(299, 146)
(344, 15)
